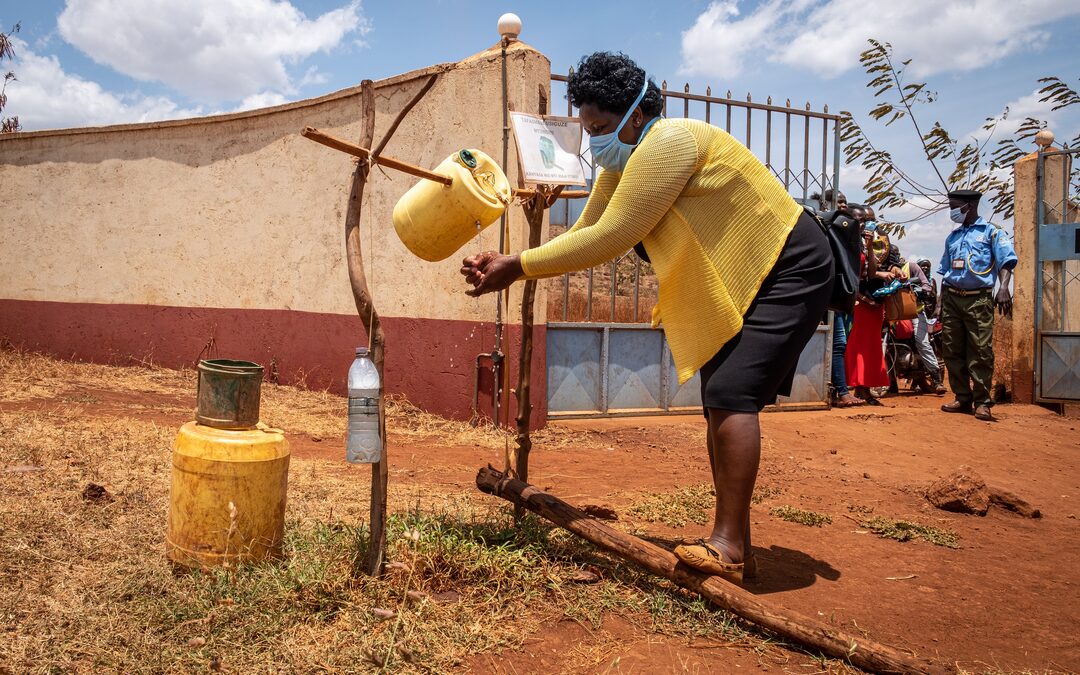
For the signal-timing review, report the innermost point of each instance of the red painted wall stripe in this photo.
(431, 361)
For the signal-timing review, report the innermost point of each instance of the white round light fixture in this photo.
(510, 25)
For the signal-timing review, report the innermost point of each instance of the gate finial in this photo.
(1044, 139)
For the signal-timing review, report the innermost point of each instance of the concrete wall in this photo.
(224, 236)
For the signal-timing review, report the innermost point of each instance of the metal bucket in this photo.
(228, 394)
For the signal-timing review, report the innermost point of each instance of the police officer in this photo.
(976, 253)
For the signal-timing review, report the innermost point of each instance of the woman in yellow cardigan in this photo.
(744, 274)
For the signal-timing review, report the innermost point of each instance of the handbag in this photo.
(901, 305)
(845, 253)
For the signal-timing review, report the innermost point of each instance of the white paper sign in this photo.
(548, 148)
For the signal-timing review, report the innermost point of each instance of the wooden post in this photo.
(365, 307)
(517, 461)
(829, 641)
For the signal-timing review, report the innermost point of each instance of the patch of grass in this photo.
(903, 530)
(675, 509)
(801, 516)
(859, 508)
(763, 492)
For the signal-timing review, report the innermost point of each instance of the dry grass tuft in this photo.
(801, 516)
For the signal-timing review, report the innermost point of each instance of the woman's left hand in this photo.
(489, 272)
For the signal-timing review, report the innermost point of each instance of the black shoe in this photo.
(957, 407)
(983, 413)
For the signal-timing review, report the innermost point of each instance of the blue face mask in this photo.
(608, 152)
(870, 226)
(957, 216)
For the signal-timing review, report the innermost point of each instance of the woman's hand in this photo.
(490, 271)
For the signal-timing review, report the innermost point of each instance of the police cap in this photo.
(966, 195)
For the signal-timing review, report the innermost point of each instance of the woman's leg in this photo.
(747, 547)
(734, 451)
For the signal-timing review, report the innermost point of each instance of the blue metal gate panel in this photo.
(681, 398)
(1059, 241)
(626, 369)
(1060, 366)
(573, 369)
(811, 376)
(634, 369)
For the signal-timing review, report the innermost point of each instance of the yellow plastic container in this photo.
(227, 502)
(435, 220)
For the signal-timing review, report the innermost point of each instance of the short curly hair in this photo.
(611, 82)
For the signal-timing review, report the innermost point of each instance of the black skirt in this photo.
(759, 363)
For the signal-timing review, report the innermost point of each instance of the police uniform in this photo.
(974, 254)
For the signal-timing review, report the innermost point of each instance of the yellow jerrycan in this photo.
(435, 220)
(229, 474)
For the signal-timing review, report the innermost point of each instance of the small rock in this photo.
(832, 451)
(96, 493)
(446, 596)
(584, 577)
(1008, 500)
(196, 642)
(415, 596)
(384, 613)
(600, 512)
(962, 492)
(865, 475)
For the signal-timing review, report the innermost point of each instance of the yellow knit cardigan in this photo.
(712, 217)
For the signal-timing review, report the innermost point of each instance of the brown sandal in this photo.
(707, 558)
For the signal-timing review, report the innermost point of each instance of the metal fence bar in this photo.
(824, 155)
(637, 285)
(836, 165)
(749, 111)
(768, 136)
(787, 149)
(806, 154)
(613, 282)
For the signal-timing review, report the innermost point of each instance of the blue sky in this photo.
(90, 62)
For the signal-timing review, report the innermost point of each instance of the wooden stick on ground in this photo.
(789, 625)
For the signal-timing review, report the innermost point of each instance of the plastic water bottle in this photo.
(363, 446)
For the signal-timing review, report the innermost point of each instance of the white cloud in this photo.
(46, 97)
(827, 36)
(719, 40)
(263, 99)
(210, 50)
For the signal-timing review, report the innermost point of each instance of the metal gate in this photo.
(603, 359)
(1057, 287)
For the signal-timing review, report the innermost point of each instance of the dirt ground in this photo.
(1006, 600)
